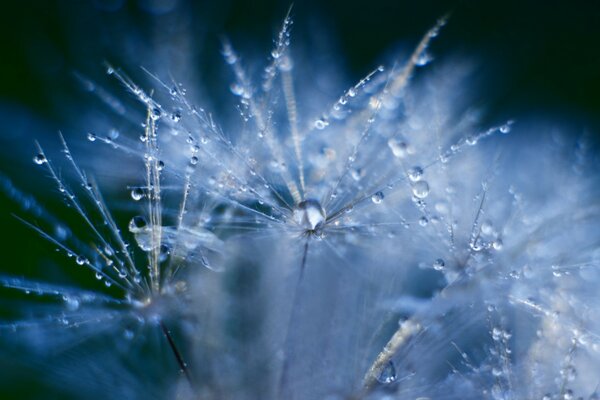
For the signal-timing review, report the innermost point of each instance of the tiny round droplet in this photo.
(439, 264)
(321, 124)
(415, 173)
(399, 149)
(91, 137)
(377, 198)
(420, 189)
(137, 194)
(39, 159)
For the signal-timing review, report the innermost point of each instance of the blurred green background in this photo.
(538, 58)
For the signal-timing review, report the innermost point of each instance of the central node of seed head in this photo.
(309, 215)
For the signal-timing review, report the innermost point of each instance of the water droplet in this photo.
(176, 117)
(236, 89)
(497, 244)
(388, 374)
(505, 128)
(377, 198)
(423, 221)
(156, 113)
(80, 260)
(420, 189)
(471, 140)
(137, 224)
(137, 194)
(321, 124)
(98, 275)
(399, 149)
(110, 70)
(496, 334)
(439, 264)
(194, 160)
(310, 215)
(356, 173)
(415, 173)
(423, 59)
(39, 159)
(91, 137)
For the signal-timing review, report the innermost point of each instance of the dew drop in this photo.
(310, 215)
(137, 194)
(80, 260)
(497, 244)
(39, 159)
(388, 374)
(505, 128)
(420, 189)
(415, 173)
(423, 59)
(321, 124)
(423, 221)
(156, 113)
(91, 137)
(439, 264)
(137, 224)
(399, 149)
(176, 117)
(471, 140)
(377, 198)
(356, 173)
(236, 89)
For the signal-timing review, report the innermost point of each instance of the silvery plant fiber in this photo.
(381, 244)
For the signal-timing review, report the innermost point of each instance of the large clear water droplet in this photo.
(310, 215)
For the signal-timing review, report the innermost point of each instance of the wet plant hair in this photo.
(381, 244)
